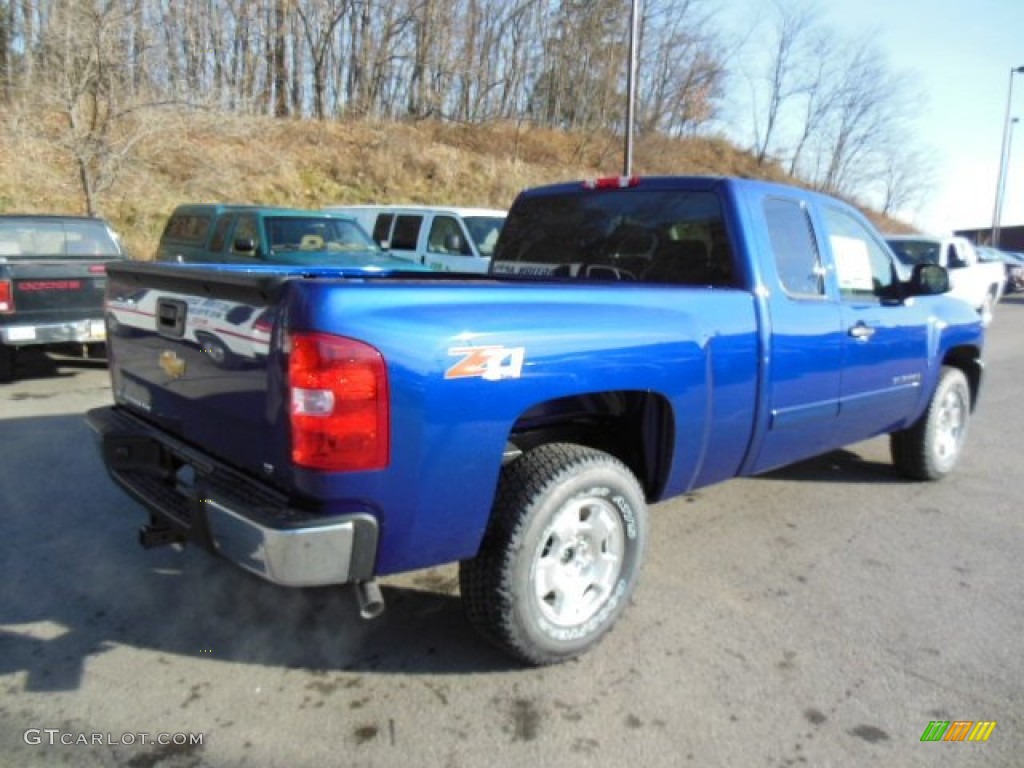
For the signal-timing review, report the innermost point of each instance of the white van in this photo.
(446, 239)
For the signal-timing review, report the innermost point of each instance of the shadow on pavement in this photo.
(76, 584)
(35, 363)
(842, 466)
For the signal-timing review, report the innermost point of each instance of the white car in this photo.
(227, 332)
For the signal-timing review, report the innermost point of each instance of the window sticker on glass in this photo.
(853, 264)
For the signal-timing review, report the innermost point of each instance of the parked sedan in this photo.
(1014, 271)
(1012, 262)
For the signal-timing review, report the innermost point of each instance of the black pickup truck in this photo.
(52, 279)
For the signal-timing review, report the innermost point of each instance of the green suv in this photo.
(248, 234)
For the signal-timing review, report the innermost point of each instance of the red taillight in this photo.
(339, 403)
(6, 297)
(611, 182)
(98, 269)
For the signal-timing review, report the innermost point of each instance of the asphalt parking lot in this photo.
(821, 615)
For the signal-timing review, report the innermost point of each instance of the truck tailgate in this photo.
(189, 353)
(55, 290)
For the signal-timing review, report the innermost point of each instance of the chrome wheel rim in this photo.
(578, 561)
(949, 428)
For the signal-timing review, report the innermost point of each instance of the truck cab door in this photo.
(805, 343)
(885, 340)
(448, 247)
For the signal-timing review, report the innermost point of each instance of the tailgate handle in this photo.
(170, 317)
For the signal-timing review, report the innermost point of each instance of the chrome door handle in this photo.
(862, 332)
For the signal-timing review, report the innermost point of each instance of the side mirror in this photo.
(929, 280)
(245, 245)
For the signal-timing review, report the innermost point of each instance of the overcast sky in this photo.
(959, 54)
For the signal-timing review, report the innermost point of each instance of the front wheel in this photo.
(929, 449)
(561, 556)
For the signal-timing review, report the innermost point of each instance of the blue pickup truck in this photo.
(635, 339)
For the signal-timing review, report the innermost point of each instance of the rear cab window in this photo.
(33, 238)
(656, 235)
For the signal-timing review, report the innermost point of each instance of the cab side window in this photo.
(187, 227)
(863, 267)
(954, 259)
(220, 233)
(794, 247)
(446, 237)
(246, 229)
(382, 228)
(406, 232)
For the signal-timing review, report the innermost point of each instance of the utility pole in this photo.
(634, 23)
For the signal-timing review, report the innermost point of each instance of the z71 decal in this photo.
(490, 363)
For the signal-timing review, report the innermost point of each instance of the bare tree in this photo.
(320, 18)
(793, 24)
(6, 22)
(682, 67)
(815, 97)
(90, 86)
(278, 63)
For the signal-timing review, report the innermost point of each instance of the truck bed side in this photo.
(664, 375)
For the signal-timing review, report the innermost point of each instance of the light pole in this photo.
(998, 211)
(1004, 177)
(634, 21)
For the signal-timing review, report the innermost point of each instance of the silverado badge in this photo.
(172, 365)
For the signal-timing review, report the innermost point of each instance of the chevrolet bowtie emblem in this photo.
(171, 364)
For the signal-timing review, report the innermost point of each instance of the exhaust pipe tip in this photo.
(370, 599)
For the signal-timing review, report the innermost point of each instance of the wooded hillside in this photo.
(126, 107)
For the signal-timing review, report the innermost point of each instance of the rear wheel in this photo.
(561, 555)
(931, 447)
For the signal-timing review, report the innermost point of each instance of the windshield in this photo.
(44, 238)
(484, 230)
(313, 233)
(988, 254)
(913, 252)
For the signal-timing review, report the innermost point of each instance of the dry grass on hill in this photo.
(225, 158)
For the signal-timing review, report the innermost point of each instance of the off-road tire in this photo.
(561, 555)
(929, 449)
